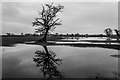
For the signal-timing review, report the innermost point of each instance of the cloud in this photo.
(17, 28)
(81, 17)
(16, 18)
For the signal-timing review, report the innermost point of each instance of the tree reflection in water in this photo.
(48, 62)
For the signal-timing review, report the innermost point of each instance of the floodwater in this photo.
(96, 40)
(77, 62)
(87, 38)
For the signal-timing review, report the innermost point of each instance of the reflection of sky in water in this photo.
(76, 62)
(79, 62)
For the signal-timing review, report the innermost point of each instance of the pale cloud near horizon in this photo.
(77, 17)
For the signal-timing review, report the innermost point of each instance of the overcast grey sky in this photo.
(77, 17)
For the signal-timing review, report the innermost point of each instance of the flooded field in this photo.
(77, 62)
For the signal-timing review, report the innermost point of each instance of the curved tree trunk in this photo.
(117, 33)
(45, 47)
(45, 35)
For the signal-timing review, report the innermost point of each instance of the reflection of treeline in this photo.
(57, 34)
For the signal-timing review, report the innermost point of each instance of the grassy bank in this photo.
(11, 40)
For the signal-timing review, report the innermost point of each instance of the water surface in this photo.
(77, 62)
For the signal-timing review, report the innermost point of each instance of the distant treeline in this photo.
(56, 34)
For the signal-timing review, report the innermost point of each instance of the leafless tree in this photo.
(117, 33)
(108, 32)
(47, 19)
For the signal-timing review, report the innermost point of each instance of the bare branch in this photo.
(47, 18)
(37, 22)
(43, 10)
(55, 23)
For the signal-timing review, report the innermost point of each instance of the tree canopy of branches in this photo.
(108, 32)
(47, 19)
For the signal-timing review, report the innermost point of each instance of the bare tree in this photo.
(117, 33)
(47, 19)
(108, 32)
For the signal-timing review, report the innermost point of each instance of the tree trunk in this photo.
(45, 47)
(43, 41)
(45, 35)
